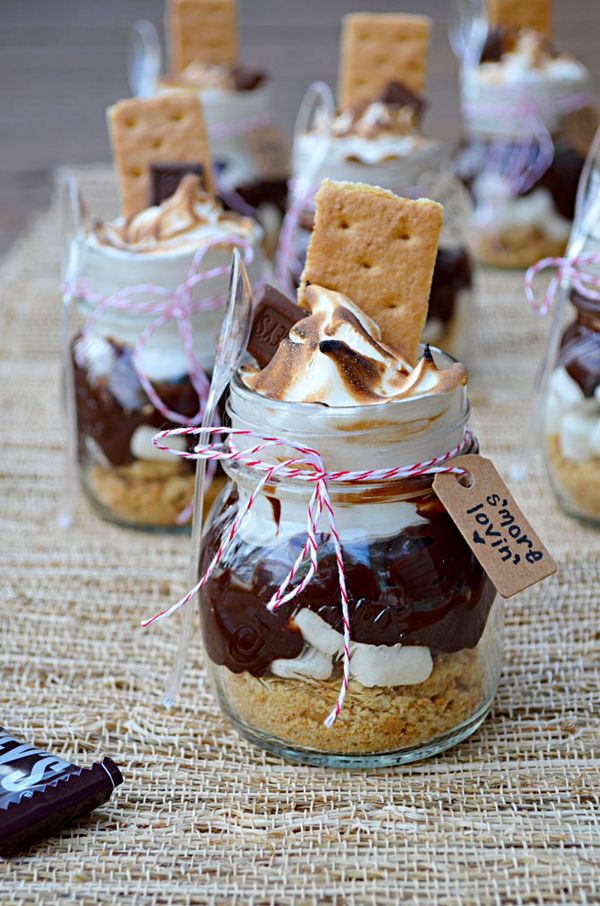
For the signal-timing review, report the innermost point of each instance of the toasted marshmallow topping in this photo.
(179, 221)
(203, 75)
(532, 56)
(335, 356)
(369, 120)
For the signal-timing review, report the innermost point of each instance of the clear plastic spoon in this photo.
(71, 220)
(144, 59)
(467, 31)
(233, 340)
(587, 217)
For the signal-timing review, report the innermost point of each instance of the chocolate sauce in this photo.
(110, 409)
(421, 587)
(580, 345)
(247, 78)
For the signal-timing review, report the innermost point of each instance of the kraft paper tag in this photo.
(493, 526)
(269, 150)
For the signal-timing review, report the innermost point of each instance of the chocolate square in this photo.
(397, 95)
(274, 317)
(165, 178)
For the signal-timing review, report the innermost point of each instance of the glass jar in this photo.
(572, 414)
(251, 155)
(127, 479)
(528, 123)
(408, 165)
(425, 625)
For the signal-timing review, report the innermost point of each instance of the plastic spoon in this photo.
(467, 31)
(71, 217)
(144, 59)
(587, 215)
(233, 340)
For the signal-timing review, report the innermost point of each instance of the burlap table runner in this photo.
(507, 817)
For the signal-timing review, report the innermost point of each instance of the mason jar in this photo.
(139, 363)
(528, 123)
(411, 166)
(425, 624)
(572, 413)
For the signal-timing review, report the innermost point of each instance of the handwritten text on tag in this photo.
(493, 526)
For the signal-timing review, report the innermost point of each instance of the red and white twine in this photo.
(167, 305)
(567, 269)
(307, 466)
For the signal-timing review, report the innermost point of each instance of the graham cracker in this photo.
(379, 250)
(533, 14)
(376, 49)
(202, 31)
(165, 128)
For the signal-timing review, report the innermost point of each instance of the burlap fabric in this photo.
(508, 817)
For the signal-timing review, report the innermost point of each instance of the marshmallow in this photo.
(578, 433)
(141, 445)
(563, 394)
(390, 665)
(311, 664)
(318, 633)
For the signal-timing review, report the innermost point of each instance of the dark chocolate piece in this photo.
(397, 95)
(165, 178)
(41, 793)
(247, 78)
(274, 316)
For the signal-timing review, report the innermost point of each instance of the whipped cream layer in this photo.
(573, 417)
(529, 74)
(376, 143)
(157, 247)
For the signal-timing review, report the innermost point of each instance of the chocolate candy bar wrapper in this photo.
(41, 793)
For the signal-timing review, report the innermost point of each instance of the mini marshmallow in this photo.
(578, 431)
(141, 445)
(390, 665)
(311, 663)
(563, 394)
(318, 633)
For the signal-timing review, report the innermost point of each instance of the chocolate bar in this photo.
(397, 95)
(41, 793)
(274, 315)
(165, 178)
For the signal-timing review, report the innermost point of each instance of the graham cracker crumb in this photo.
(516, 248)
(147, 493)
(577, 482)
(380, 719)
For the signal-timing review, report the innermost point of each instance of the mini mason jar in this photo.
(363, 145)
(139, 362)
(572, 413)
(425, 625)
(528, 123)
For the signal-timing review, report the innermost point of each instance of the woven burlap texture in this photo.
(510, 816)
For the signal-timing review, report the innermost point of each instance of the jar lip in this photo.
(303, 408)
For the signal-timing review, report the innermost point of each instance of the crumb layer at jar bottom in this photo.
(518, 248)
(373, 720)
(577, 484)
(145, 494)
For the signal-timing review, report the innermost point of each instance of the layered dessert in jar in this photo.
(528, 121)
(144, 345)
(250, 153)
(572, 414)
(375, 137)
(351, 381)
